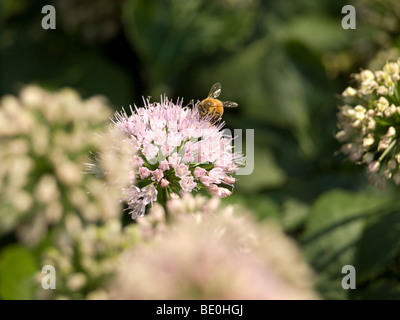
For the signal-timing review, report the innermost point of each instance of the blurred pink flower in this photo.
(211, 252)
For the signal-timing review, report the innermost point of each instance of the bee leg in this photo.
(204, 111)
(215, 118)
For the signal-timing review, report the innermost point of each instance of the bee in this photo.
(212, 108)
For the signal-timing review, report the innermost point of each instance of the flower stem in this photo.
(387, 150)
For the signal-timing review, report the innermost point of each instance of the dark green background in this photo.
(285, 63)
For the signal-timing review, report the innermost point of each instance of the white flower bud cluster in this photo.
(85, 256)
(369, 123)
(45, 138)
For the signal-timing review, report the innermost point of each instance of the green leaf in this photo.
(170, 35)
(380, 242)
(332, 233)
(294, 214)
(261, 206)
(11, 8)
(320, 32)
(266, 174)
(383, 290)
(17, 268)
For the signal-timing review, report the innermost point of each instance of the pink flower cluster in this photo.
(178, 152)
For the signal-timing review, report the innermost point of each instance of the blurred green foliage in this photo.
(283, 62)
(17, 265)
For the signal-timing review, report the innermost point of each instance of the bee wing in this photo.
(215, 91)
(230, 104)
